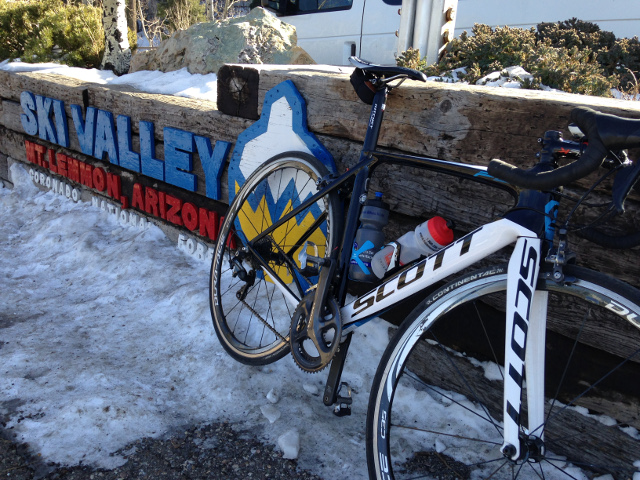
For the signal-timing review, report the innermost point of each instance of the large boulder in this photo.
(258, 37)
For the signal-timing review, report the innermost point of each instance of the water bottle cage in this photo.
(394, 261)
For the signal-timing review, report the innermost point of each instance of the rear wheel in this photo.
(435, 409)
(256, 286)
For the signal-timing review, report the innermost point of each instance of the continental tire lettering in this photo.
(402, 281)
(441, 293)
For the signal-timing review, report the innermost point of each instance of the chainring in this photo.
(313, 346)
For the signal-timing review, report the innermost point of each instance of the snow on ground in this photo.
(108, 339)
(109, 335)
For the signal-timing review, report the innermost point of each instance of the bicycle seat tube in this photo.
(358, 195)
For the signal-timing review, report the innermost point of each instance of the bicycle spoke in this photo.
(460, 437)
(603, 378)
(471, 390)
(487, 338)
(454, 401)
(564, 472)
(533, 468)
(566, 367)
(252, 309)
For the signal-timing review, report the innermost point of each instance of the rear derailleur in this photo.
(238, 270)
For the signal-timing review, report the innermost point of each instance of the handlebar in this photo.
(605, 132)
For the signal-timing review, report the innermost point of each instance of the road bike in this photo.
(513, 370)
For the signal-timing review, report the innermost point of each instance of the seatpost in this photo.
(375, 120)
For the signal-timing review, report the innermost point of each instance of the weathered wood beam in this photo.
(449, 121)
(454, 114)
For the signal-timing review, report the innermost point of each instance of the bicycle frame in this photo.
(526, 309)
(357, 177)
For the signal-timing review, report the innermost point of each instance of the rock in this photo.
(289, 443)
(273, 396)
(258, 37)
(270, 412)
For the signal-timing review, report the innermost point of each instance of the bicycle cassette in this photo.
(313, 344)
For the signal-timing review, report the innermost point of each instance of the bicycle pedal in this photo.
(310, 264)
(343, 403)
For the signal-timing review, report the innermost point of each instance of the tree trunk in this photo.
(132, 15)
(117, 54)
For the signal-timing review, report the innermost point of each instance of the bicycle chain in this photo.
(266, 324)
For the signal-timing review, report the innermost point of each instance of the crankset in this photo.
(314, 343)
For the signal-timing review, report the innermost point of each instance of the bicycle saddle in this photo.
(387, 71)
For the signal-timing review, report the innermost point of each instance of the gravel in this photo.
(214, 451)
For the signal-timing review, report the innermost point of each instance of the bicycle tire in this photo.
(255, 330)
(430, 373)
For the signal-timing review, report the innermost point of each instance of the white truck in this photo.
(379, 30)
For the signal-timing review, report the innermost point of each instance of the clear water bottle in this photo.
(369, 238)
(427, 238)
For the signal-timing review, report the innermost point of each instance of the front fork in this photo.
(524, 350)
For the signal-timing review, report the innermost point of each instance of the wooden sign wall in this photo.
(194, 141)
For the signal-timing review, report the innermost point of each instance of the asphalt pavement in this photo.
(215, 451)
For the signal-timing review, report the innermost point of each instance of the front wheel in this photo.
(255, 286)
(435, 409)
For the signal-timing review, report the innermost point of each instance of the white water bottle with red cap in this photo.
(426, 239)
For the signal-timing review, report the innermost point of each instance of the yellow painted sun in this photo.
(253, 222)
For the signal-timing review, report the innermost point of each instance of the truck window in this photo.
(315, 5)
(296, 7)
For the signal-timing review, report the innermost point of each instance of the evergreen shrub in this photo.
(573, 56)
(50, 30)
